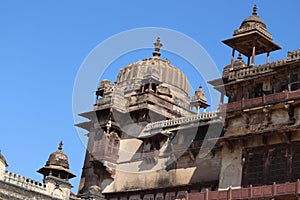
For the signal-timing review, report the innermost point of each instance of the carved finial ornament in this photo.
(60, 145)
(240, 56)
(157, 46)
(254, 10)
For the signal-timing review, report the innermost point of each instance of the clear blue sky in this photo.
(43, 43)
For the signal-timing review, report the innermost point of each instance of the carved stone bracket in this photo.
(246, 118)
(290, 110)
(267, 117)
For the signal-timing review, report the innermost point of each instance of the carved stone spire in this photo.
(157, 46)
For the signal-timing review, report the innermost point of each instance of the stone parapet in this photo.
(24, 182)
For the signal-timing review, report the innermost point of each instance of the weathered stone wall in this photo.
(142, 175)
(260, 126)
(236, 125)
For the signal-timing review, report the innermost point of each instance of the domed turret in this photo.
(199, 100)
(253, 20)
(251, 39)
(58, 158)
(239, 63)
(57, 165)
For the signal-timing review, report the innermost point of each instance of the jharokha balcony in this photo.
(283, 96)
(276, 191)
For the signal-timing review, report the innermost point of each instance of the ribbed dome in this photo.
(253, 20)
(58, 158)
(155, 67)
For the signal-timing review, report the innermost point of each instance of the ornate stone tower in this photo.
(57, 174)
(261, 133)
(146, 91)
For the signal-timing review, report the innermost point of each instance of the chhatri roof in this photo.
(58, 158)
(253, 20)
(253, 30)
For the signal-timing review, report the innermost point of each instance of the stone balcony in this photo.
(260, 101)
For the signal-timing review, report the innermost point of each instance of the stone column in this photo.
(268, 57)
(231, 168)
(232, 59)
(253, 53)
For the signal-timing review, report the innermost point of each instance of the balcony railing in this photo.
(257, 192)
(259, 101)
(181, 120)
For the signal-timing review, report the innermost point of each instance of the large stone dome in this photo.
(155, 67)
(152, 80)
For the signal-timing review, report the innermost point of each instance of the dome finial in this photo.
(254, 10)
(157, 46)
(60, 145)
(240, 56)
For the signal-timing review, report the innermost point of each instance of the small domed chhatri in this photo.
(199, 99)
(58, 158)
(253, 20)
(237, 65)
(251, 39)
(57, 165)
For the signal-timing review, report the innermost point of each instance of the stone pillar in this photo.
(231, 168)
(253, 53)
(232, 59)
(150, 87)
(268, 57)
